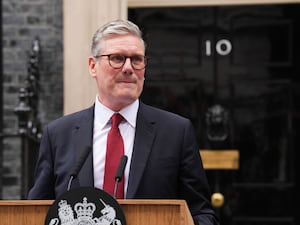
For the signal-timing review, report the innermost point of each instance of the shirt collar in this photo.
(103, 114)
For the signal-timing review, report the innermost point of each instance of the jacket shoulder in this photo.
(154, 112)
(73, 119)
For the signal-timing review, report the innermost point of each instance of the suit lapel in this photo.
(83, 136)
(144, 135)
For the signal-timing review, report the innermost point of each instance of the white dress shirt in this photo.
(102, 124)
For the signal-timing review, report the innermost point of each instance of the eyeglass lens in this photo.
(117, 61)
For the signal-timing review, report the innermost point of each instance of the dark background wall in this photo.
(22, 22)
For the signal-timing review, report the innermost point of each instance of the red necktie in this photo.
(114, 152)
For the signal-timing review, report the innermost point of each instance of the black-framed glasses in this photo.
(116, 61)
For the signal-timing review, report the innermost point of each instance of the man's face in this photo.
(118, 88)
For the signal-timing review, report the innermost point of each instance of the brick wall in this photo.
(22, 22)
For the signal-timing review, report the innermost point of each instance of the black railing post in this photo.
(23, 111)
(29, 126)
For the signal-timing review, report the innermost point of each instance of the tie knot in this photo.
(116, 119)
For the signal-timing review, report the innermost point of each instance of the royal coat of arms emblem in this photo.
(84, 212)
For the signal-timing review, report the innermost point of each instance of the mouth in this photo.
(127, 81)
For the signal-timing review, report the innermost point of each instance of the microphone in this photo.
(77, 167)
(120, 172)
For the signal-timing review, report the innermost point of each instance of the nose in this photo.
(127, 67)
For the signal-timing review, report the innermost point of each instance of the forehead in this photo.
(124, 43)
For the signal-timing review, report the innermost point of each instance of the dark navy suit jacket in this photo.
(165, 162)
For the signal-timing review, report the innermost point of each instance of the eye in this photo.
(117, 58)
(137, 59)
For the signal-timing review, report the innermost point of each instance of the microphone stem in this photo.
(70, 183)
(116, 188)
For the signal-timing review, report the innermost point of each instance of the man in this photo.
(163, 155)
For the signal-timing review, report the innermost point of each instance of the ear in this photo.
(92, 66)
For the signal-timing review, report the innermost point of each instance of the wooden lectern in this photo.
(137, 212)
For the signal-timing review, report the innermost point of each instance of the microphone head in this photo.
(122, 165)
(80, 161)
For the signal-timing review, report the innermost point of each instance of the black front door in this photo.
(234, 71)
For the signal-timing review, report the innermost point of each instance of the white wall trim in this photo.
(182, 3)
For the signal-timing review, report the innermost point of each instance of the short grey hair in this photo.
(116, 27)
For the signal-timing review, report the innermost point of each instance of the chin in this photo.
(128, 99)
